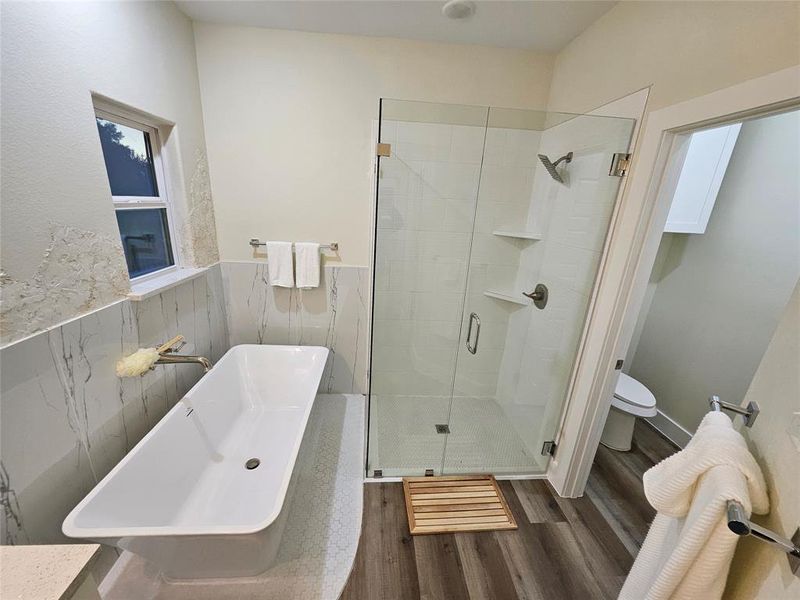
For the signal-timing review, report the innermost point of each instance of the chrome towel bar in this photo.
(750, 413)
(333, 246)
(739, 524)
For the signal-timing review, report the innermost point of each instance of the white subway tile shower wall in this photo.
(574, 218)
(429, 231)
(504, 199)
(66, 417)
(335, 315)
(426, 208)
(426, 205)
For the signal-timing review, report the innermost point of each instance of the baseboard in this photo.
(671, 430)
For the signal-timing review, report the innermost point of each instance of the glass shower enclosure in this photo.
(486, 252)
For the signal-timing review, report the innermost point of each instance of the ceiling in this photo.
(544, 26)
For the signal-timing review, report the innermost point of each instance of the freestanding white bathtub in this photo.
(184, 498)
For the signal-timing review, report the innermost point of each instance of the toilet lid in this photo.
(633, 392)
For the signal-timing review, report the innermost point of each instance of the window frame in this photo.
(103, 110)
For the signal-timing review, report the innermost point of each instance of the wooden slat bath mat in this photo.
(458, 503)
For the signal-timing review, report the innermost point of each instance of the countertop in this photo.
(46, 572)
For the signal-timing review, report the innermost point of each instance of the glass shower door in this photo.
(427, 194)
(511, 381)
(475, 208)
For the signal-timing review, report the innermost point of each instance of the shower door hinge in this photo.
(383, 150)
(549, 448)
(620, 163)
(377, 473)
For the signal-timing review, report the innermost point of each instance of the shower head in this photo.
(551, 166)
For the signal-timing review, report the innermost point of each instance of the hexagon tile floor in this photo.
(321, 536)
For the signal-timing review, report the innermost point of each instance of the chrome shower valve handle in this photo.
(539, 295)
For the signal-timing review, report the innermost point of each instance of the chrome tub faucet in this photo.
(167, 354)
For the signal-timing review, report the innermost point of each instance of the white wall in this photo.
(720, 294)
(304, 102)
(61, 251)
(289, 115)
(650, 292)
(682, 49)
(759, 570)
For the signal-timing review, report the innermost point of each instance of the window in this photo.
(132, 157)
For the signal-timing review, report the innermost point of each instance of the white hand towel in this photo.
(307, 264)
(688, 549)
(279, 262)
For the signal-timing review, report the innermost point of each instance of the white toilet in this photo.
(631, 399)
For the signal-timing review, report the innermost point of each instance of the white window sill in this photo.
(146, 289)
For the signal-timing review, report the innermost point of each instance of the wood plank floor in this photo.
(564, 548)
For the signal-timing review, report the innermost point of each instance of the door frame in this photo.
(631, 253)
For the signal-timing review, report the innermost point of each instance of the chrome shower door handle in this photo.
(473, 348)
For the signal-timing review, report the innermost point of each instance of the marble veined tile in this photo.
(65, 417)
(335, 315)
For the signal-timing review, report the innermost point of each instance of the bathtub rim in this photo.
(110, 535)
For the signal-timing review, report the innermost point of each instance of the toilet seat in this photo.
(633, 397)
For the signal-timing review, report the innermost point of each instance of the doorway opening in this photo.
(726, 266)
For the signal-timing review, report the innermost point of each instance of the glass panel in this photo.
(129, 159)
(529, 229)
(475, 208)
(427, 192)
(486, 430)
(145, 239)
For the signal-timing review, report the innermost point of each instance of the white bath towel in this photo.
(688, 549)
(279, 263)
(307, 264)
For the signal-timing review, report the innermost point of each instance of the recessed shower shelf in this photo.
(508, 297)
(522, 235)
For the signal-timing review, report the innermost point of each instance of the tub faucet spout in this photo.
(173, 359)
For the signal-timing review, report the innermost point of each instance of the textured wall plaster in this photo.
(79, 272)
(199, 229)
(53, 169)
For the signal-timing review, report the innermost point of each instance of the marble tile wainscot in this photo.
(335, 315)
(65, 417)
